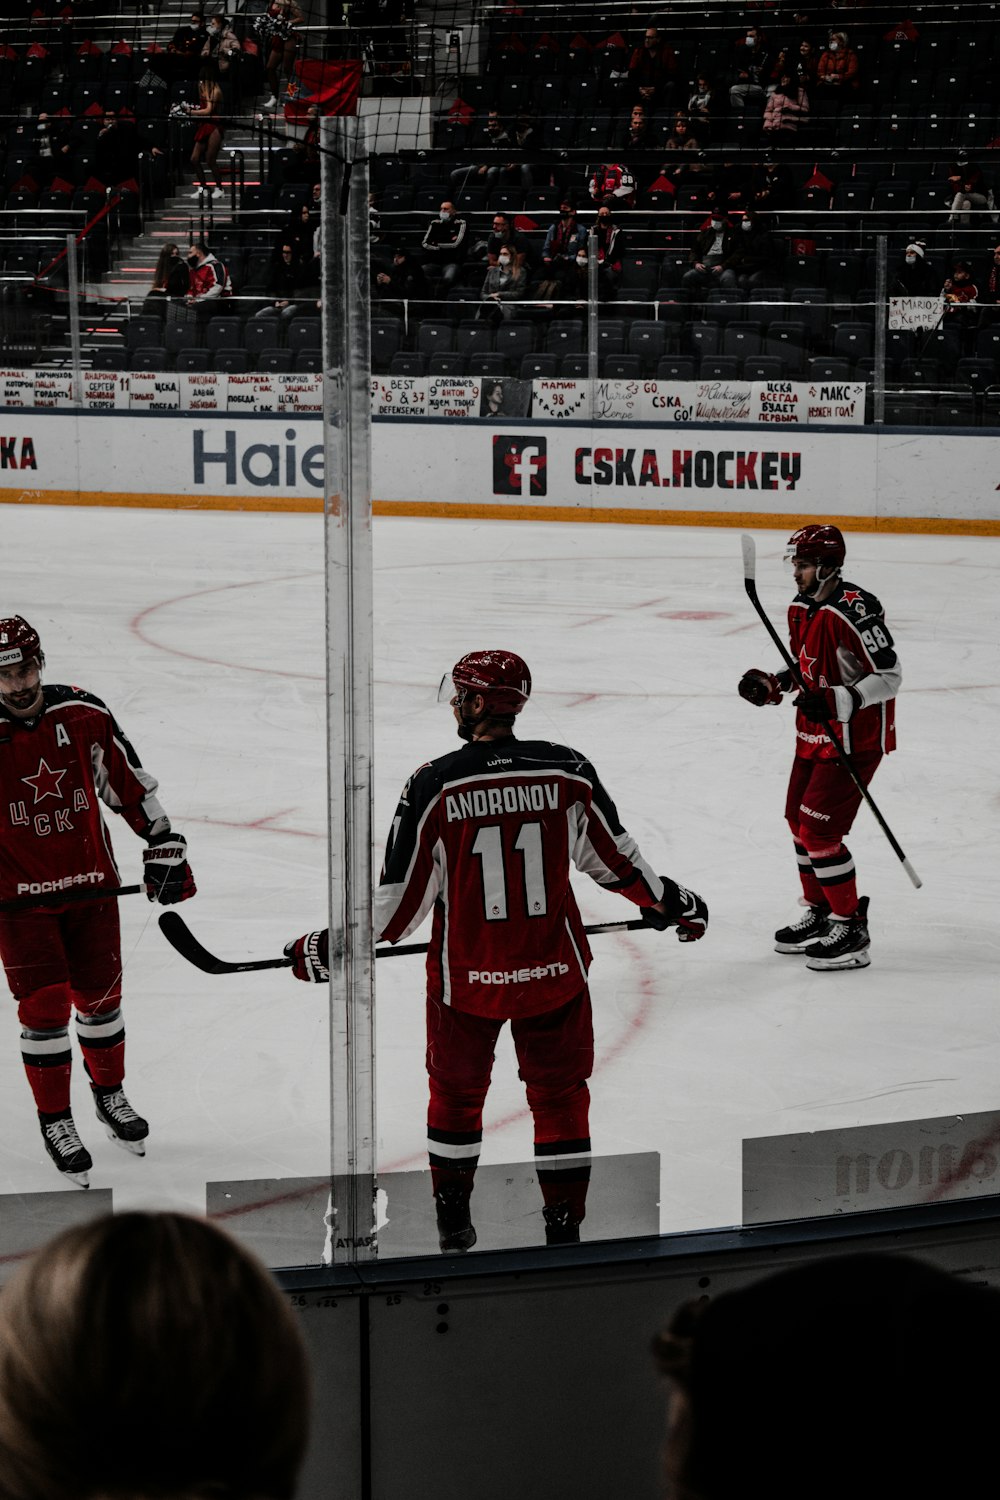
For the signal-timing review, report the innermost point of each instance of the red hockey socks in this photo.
(102, 1042)
(48, 1063)
(835, 872)
(812, 891)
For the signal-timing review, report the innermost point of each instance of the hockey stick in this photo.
(750, 583)
(179, 935)
(62, 898)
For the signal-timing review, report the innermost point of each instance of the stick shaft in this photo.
(66, 898)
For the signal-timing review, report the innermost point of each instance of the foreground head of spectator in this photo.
(148, 1355)
(811, 1382)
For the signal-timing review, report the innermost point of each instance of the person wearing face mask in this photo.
(837, 71)
(709, 256)
(222, 45)
(504, 283)
(754, 259)
(914, 275)
(445, 243)
(750, 74)
(564, 240)
(611, 247)
(184, 47)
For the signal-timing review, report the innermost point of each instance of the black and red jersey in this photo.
(840, 643)
(485, 837)
(55, 770)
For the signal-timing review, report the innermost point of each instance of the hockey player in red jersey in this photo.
(61, 752)
(483, 838)
(851, 675)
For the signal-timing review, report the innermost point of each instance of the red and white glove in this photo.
(166, 873)
(310, 955)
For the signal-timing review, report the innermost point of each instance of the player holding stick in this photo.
(484, 836)
(60, 752)
(850, 676)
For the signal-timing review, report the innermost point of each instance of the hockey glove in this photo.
(683, 909)
(310, 957)
(821, 705)
(166, 873)
(759, 687)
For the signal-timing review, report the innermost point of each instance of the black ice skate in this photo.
(815, 924)
(845, 945)
(119, 1119)
(562, 1227)
(65, 1147)
(456, 1231)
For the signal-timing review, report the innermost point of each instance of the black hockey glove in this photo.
(310, 955)
(166, 873)
(819, 705)
(683, 909)
(760, 687)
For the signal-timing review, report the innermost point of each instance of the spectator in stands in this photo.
(709, 256)
(55, 143)
(771, 187)
(505, 282)
(750, 72)
(611, 242)
(116, 153)
(806, 65)
(445, 243)
(837, 75)
(524, 141)
(208, 136)
(300, 227)
(277, 30)
(183, 1343)
(635, 134)
(960, 294)
(731, 188)
(755, 258)
(210, 280)
(285, 280)
(802, 1353)
(990, 293)
(969, 189)
(702, 105)
(784, 111)
(505, 237)
(403, 280)
(184, 48)
(614, 185)
(171, 281)
(914, 275)
(494, 138)
(651, 70)
(683, 151)
(222, 45)
(563, 240)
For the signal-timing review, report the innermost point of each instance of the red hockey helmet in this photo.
(819, 544)
(501, 678)
(19, 642)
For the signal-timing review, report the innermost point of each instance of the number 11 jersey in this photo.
(485, 836)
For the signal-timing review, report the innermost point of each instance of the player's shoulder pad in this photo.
(854, 604)
(56, 694)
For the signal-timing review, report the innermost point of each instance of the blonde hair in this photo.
(149, 1355)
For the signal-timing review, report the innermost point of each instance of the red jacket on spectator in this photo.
(210, 279)
(613, 184)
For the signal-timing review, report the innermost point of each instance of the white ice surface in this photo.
(204, 633)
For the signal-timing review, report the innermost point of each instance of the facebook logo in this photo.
(519, 466)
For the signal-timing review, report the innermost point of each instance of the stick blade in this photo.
(749, 557)
(179, 935)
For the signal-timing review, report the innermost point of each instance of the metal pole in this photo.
(592, 317)
(881, 318)
(73, 292)
(347, 521)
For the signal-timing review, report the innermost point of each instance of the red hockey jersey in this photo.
(485, 837)
(55, 769)
(845, 642)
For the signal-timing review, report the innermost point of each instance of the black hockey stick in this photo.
(750, 583)
(63, 898)
(179, 935)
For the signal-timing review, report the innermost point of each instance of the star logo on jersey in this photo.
(850, 596)
(806, 664)
(45, 782)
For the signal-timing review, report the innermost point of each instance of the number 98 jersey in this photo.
(485, 836)
(845, 642)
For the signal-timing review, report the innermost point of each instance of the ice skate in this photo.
(119, 1119)
(562, 1227)
(846, 943)
(62, 1142)
(808, 929)
(456, 1231)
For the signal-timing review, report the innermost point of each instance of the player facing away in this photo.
(483, 838)
(851, 675)
(61, 753)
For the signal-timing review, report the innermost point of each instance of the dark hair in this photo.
(172, 1339)
(815, 1353)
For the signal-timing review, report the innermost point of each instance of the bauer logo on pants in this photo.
(519, 466)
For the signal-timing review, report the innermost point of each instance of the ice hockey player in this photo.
(484, 837)
(61, 751)
(851, 675)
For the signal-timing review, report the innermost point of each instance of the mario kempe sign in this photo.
(520, 465)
